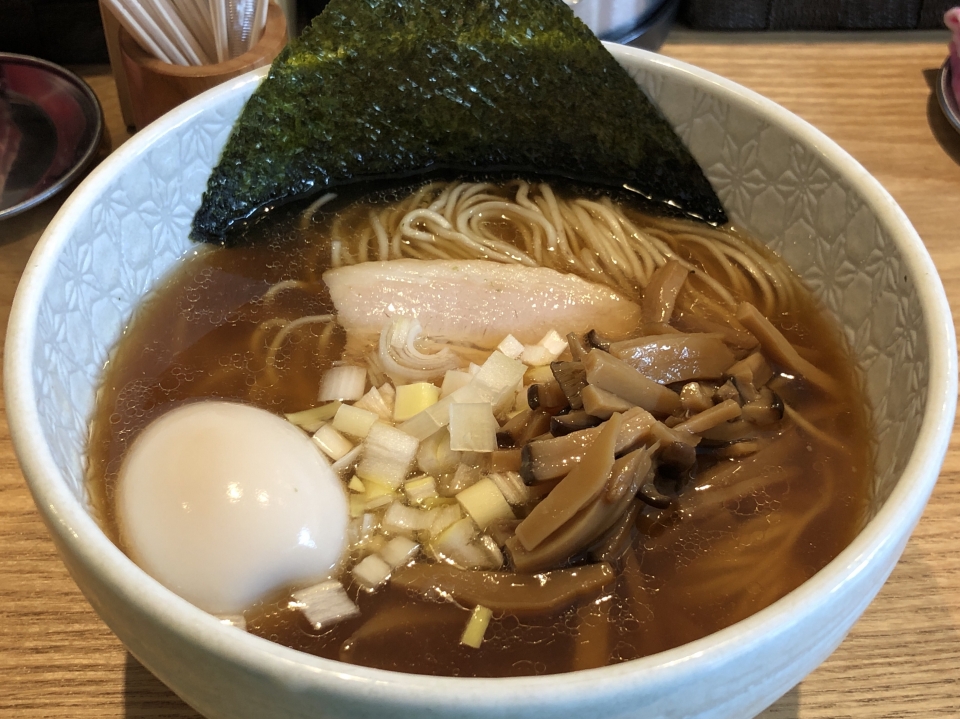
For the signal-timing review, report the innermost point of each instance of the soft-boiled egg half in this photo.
(224, 503)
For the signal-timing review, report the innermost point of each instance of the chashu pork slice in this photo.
(476, 302)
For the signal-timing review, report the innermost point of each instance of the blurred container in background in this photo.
(642, 23)
(70, 31)
(814, 14)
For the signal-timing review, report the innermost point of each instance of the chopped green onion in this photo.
(556, 344)
(361, 530)
(474, 555)
(492, 549)
(459, 544)
(325, 604)
(347, 462)
(389, 395)
(413, 399)
(445, 517)
(437, 416)
(423, 425)
(371, 571)
(456, 536)
(344, 382)
(401, 519)
(374, 402)
(467, 475)
(331, 442)
(356, 485)
(536, 356)
(388, 454)
(354, 420)
(420, 489)
(398, 551)
(484, 503)
(312, 419)
(500, 374)
(511, 347)
(473, 428)
(377, 494)
(378, 502)
(435, 456)
(512, 487)
(476, 627)
(546, 351)
(453, 380)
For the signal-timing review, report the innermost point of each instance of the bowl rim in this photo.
(78, 532)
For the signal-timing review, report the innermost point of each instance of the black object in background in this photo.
(70, 31)
(814, 14)
(62, 31)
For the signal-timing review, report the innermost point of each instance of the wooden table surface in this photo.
(872, 94)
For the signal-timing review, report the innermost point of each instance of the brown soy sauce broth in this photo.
(684, 578)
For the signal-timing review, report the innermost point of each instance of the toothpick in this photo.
(170, 22)
(136, 30)
(148, 23)
(198, 21)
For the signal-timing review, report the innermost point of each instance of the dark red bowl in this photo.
(50, 128)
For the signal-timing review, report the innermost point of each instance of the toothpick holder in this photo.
(156, 87)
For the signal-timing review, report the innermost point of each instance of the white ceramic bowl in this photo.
(778, 177)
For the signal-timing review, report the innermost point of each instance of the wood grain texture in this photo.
(900, 661)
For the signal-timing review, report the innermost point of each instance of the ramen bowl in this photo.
(779, 179)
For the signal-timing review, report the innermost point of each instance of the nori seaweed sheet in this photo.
(389, 88)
